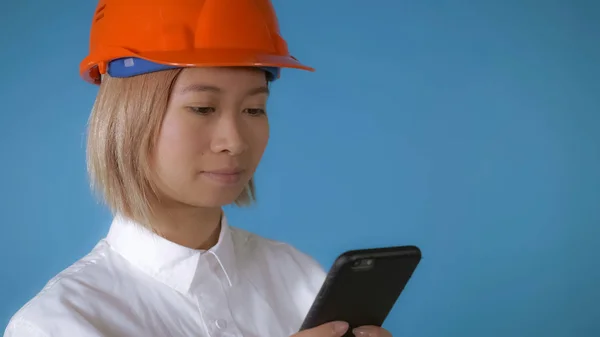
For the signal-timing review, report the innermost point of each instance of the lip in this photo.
(224, 176)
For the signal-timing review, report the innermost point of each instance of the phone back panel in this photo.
(361, 292)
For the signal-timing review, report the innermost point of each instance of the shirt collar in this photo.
(166, 261)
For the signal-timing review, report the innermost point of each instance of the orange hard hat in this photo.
(139, 36)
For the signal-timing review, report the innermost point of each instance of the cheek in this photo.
(179, 143)
(259, 137)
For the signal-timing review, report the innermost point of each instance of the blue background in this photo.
(470, 130)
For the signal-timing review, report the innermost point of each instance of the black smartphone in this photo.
(363, 286)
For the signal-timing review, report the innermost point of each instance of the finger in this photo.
(371, 331)
(332, 329)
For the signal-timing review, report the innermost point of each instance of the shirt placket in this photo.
(210, 290)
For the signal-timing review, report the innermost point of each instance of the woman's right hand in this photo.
(331, 329)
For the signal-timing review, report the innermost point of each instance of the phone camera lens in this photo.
(363, 264)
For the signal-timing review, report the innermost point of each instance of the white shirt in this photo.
(135, 283)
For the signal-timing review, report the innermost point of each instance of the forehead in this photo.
(226, 78)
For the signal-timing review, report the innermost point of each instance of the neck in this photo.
(193, 227)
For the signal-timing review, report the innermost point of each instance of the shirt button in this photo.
(221, 324)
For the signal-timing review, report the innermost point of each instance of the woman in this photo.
(177, 130)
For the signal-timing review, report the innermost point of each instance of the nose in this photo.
(228, 135)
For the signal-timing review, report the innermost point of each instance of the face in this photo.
(213, 135)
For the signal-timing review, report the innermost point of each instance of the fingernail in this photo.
(340, 327)
(361, 332)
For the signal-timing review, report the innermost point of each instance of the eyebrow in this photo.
(210, 88)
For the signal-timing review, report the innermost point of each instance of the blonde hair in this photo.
(123, 129)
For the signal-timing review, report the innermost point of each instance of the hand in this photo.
(371, 331)
(331, 329)
(338, 329)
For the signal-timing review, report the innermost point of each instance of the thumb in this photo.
(331, 329)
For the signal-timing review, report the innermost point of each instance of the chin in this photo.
(214, 203)
(216, 198)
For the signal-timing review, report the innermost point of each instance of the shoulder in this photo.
(276, 250)
(279, 257)
(292, 277)
(60, 306)
(20, 327)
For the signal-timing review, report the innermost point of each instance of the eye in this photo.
(202, 110)
(255, 112)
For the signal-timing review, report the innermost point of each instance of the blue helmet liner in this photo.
(132, 66)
